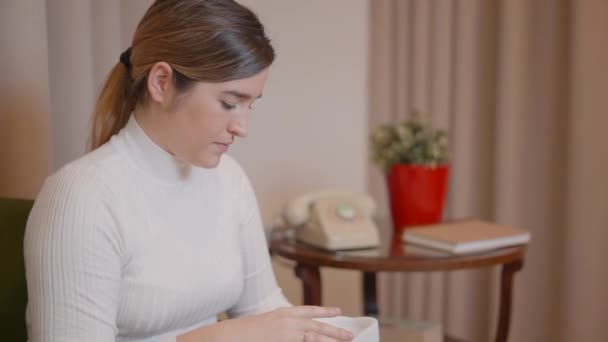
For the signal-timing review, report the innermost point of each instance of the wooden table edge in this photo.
(401, 264)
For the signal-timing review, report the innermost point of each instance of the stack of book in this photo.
(465, 236)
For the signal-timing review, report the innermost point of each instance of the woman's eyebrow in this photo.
(240, 95)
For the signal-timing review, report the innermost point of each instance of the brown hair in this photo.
(202, 40)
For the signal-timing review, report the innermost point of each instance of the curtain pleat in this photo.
(512, 82)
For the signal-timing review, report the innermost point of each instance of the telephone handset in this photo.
(333, 220)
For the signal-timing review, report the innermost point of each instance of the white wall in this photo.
(309, 130)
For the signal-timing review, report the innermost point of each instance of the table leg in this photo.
(311, 283)
(370, 304)
(506, 291)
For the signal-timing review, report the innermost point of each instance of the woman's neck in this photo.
(153, 122)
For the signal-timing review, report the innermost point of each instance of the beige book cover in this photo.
(466, 236)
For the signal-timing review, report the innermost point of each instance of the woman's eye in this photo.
(253, 105)
(227, 105)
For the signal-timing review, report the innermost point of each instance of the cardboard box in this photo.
(410, 331)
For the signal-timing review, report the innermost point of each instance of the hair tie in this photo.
(125, 57)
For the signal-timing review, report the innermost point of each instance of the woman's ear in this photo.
(160, 83)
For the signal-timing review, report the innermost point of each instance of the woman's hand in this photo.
(293, 324)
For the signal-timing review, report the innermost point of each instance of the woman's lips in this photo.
(222, 147)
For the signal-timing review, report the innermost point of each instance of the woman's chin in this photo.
(208, 162)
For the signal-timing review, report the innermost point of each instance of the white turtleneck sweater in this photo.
(129, 244)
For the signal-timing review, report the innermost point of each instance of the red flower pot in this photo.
(417, 194)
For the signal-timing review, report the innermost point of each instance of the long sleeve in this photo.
(261, 292)
(73, 261)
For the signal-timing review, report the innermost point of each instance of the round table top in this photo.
(391, 255)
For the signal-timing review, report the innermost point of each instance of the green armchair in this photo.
(13, 289)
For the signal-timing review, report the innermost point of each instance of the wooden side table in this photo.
(396, 256)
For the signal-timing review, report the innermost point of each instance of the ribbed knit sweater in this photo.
(129, 244)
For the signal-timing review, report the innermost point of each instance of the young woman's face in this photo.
(209, 116)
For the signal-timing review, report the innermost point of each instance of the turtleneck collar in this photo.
(151, 158)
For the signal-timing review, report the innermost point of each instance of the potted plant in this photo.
(414, 158)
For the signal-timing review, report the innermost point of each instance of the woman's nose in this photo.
(238, 126)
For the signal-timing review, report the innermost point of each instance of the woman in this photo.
(156, 231)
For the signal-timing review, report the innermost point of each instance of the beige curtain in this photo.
(24, 98)
(54, 55)
(520, 85)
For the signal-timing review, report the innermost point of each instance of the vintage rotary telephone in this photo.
(333, 220)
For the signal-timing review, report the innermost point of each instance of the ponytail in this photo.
(114, 106)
